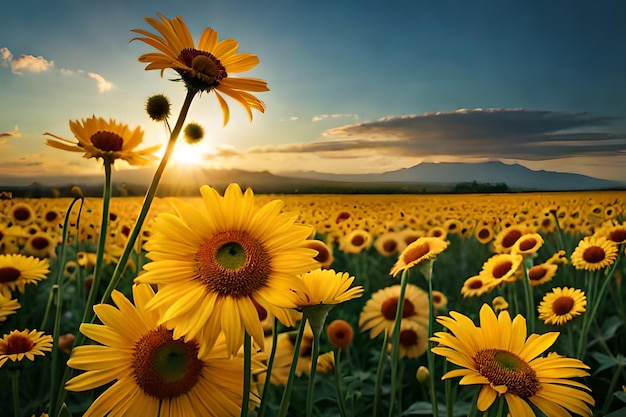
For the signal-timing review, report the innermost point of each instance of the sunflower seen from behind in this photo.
(152, 372)
(203, 67)
(500, 358)
(216, 264)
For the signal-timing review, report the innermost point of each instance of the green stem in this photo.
(247, 372)
(104, 225)
(15, 389)
(474, 409)
(284, 403)
(428, 272)
(51, 296)
(610, 392)
(311, 385)
(268, 372)
(56, 385)
(500, 406)
(528, 292)
(338, 379)
(395, 340)
(379, 373)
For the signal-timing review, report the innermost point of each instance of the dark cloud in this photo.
(490, 133)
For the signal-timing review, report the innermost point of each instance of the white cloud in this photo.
(103, 84)
(66, 71)
(6, 55)
(30, 63)
(319, 117)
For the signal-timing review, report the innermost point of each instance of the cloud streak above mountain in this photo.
(531, 135)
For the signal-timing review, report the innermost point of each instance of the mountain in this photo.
(515, 176)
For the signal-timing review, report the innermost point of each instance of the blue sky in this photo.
(355, 86)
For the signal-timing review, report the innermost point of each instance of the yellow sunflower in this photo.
(413, 340)
(325, 286)
(18, 345)
(212, 265)
(421, 250)
(109, 140)
(16, 271)
(324, 255)
(8, 306)
(527, 244)
(356, 241)
(503, 267)
(561, 305)
(478, 285)
(500, 358)
(205, 67)
(155, 373)
(594, 253)
(379, 312)
(506, 238)
(499, 303)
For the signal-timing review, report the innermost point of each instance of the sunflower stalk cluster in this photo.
(235, 304)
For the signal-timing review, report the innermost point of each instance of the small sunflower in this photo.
(109, 140)
(340, 333)
(356, 241)
(561, 305)
(214, 264)
(527, 244)
(478, 285)
(379, 312)
(594, 253)
(500, 358)
(542, 273)
(499, 303)
(207, 66)
(387, 244)
(413, 340)
(325, 286)
(154, 372)
(22, 214)
(18, 345)
(324, 252)
(506, 238)
(502, 267)
(16, 271)
(421, 250)
(8, 306)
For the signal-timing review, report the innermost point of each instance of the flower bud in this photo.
(193, 133)
(340, 333)
(423, 375)
(158, 107)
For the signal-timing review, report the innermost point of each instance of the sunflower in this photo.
(325, 286)
(8, 306)
(356, 241)
(500, 358)
(421, 250)
(379, 312)
(561, 305)
(205, 67)
(16, 271)
(440, 301)
(527, 244)
(506, 238)
(387, 244)
(478, 285)
(154, 372)
(413, 340)
(214, 264)
(499, 303)
(484, 233)
(502, 267)
(18, 345)
(594, 253)
(324, 252)
(41, 245)
(615, 233)
(22, 214)
(109, 140)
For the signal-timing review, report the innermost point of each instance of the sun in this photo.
(186, 155)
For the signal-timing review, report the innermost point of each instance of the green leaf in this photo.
(621, 395)
(64, 411)
(606, 361)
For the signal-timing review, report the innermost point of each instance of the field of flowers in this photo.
(549, 266)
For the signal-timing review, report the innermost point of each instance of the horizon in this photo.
(353, 90)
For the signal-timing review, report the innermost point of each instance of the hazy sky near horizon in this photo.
(356, 86)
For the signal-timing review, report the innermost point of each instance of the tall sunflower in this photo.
(594, 253)
(500, 358)
(561, 305)
(207, 66)
(18, 345)
(109, 140)
(214, 265)
(155, 373)
(16, 271)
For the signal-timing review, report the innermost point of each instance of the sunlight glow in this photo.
(185, 154)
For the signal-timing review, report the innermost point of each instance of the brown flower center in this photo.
(163, 367)
(390, 306)
(390, 246)
(408, 337)
(484, 233)
(233, 264)
(9, 274)
(357, 241)
(206, 70)
(594, 254)
(40, 242)
(618, 235)
(527, 244)
(107, 141)
(501, 269)
(562, 305)
(510, 238)
(537, 272)
(18, 343)
(21, 214)
(475, 284)
(502, 367)
(415, 253)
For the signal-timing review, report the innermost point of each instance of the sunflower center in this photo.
(9, 274)
(107, 141)
(618, 235)
(594, 254)
(510, 238)
(206, 70)
(484, 233)
(21, 214)
(233, 263)
(390, 246)
(528, 244)
(18, 343)
(163, 367)
(390, 306)
(416, 253)
(475, 284)
(40, 242)
(562, 305)
(357, 240)
(502, 367)
(408, 337)
(537, 272)
(502, 268)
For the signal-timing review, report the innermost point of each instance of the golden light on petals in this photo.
(561, 305)
(17, 345)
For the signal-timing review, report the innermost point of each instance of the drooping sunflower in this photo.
(500, 358)
(421, 250)
(154, 372)
(594, 253)
(109, 140)
(379, 313)
(18, 345)
(17, 270)
(204, 67)
(8, 306)
(561, 305)
(214, 264)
